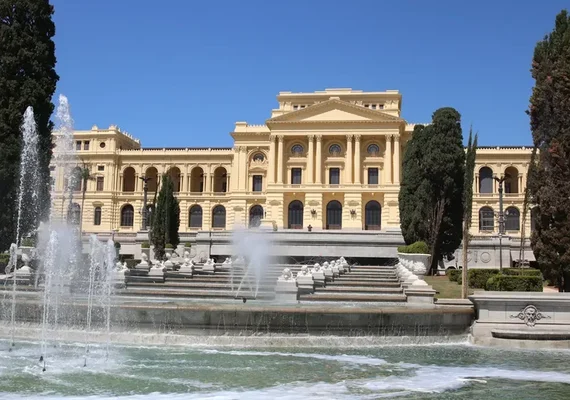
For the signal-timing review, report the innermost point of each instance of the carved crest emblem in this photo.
(530, 314)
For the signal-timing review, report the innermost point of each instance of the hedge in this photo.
(454, 275)
(145, 245)
(414, 248)
(478, 277)
(132, 263)
(522, 271)
(514, 283)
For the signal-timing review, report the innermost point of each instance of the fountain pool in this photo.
(437, 371)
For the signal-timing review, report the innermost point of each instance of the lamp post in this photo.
(501, 180)
(145, 195)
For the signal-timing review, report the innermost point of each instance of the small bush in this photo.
(414, 248)
(169, 246)
(187, 245)
(522, 272)
(454, 275)
(132, 263)
(145, 245)
(514, 283)
(478, 277)
(27, 242)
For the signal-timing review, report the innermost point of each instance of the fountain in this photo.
(251, 249)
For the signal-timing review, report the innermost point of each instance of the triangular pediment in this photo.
(334, 110)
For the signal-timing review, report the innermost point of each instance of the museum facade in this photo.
(328, 160)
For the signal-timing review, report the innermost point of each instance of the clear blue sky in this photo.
(181, 72)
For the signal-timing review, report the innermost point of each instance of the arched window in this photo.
(295, 215)
(174, 174)
(486, 219)
(485, 180)
(127, 215)
(512, 219)
(334, 215)
(129, 179)
(197, 180)
(372, 216)
(97, 216)
(220, 180)
(74, 214)
(297, 150)
(195, 219)
(259, 157)
(255, 216)
(373, 150)
(219, 217)
(76, 179)
(152, 174)
(335, 149)
(511, 180)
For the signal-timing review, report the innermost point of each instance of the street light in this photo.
(501, 219)
(145, 191)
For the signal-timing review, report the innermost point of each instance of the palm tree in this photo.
(85, 177)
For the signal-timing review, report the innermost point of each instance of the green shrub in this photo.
(145, 245)
(187, 245)
(169, 246)
(478, 277)
(522, 272)
(132, 263)
(514, 283)
(27, 242)
(454, 275)
(414, 248)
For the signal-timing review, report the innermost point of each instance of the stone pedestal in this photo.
(420, 292)
(24, 275)
(157, 272)
(209, 267)
(268, 225)
(286, 291)
(119, 277)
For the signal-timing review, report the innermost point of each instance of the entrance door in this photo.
(255, 216)
(295, 215)
(372, 216)
(334, 215)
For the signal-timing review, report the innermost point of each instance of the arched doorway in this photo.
(372, 216)
(152, 174)
(219, 217)
(195, 220)
(295, 215)
(174, 174)
(485, 180)
(511, 180)
(334, 215)
(197, 180)
(255, 216)
(220, 180)
(129, 179)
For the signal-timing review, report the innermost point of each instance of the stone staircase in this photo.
(361, 284)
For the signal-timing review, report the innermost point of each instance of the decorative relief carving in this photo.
(357, 138)
(485, 257)
(319, 138)
(311, 137)
(280, 137)
(529, 315)
(349, 137)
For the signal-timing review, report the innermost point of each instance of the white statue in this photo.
(318, 274)
(144, 262)
(305, 281)
(187, 266)
(286, 276)
(286, 288)
(168, 263)
(209, 266)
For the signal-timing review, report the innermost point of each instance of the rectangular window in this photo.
(78, 145)
(100, 168)
(334, 176)
(295, 107)
(97, 216)
(373, 106)
(367, 105)
(257, 183)
(373, 176)
(381, 106)
(100, 184)
(296, 175)
(86, 145)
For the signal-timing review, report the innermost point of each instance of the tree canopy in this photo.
(431, 194)
(549, 172)
(27, 78)
(166, 219)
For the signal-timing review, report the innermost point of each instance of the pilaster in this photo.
(352, 202)
(397, 159)
(348, 171)
(319, 160)
(272, 160)
(310, 159)
(280, 160)
(389, 162)
(313, 201)
(357, 171)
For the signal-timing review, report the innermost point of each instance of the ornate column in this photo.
(348, 162)
(272, 160)
(357, 172)
(388, 159)
(318, 161)
(397, 159)
(310, 159)
(242, 168)
(280, 159)
(476, 183)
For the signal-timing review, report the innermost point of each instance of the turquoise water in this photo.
(406, 372)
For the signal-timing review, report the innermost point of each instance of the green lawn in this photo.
(444, 288)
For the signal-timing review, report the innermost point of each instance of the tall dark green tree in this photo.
(166, 219)
(27, 78)
(468, 205)
(549, 174)
(431, 194)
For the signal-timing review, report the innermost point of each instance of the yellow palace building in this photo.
(329, 159)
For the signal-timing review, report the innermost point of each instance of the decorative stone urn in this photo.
(418, 264)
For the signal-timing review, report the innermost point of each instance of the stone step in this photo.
(190, 285)
(371, 275)
(191, 293)
(364, 283)
(359, 289)
(350, 297)
(357, 278)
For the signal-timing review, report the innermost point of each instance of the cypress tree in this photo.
(468, 205)
(166, 219)
(549, 176)
(431, 194)
(27, 78)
